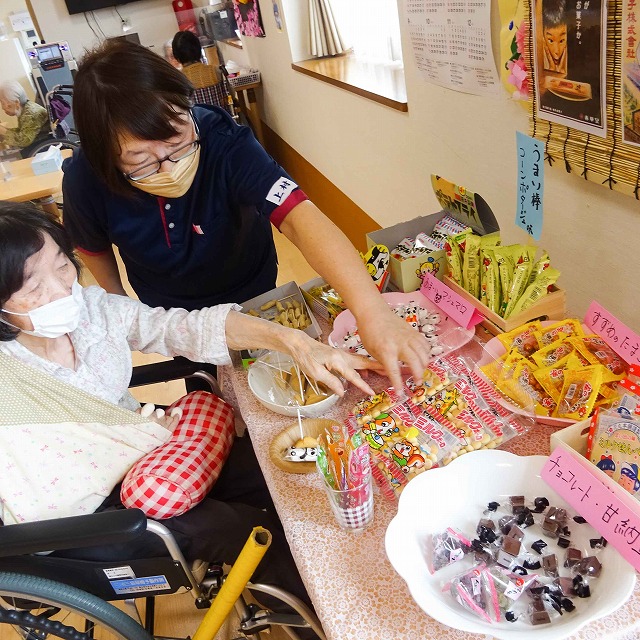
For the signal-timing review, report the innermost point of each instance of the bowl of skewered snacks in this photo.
(280, 385)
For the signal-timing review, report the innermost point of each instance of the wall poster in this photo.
(630, 73)
(570, 58)
(248, 18)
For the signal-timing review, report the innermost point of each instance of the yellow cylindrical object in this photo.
(241, 572)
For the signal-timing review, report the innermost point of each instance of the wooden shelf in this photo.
(378, 82)
(233, 42)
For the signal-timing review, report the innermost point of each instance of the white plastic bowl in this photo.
(272, 397)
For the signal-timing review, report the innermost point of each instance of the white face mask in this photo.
(56, 318)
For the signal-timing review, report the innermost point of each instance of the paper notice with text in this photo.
(451, 41)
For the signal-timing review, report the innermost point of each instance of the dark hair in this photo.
(122, 88)
(553, 13)
(22, 233)
(186, 47)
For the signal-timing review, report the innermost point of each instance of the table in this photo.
(249, 106)
(24, 185)
(356, 592)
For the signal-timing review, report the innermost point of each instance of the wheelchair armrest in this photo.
(95, 529)
(162, 372)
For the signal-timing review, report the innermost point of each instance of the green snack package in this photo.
(455, 255)
(506, 263)
(544, 262)
(536, 290)
(523, 265)
(489, 279)
(471, 265)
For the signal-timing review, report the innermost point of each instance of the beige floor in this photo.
(177, 615)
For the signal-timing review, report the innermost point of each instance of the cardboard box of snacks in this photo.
(466, 207)
(281, 300)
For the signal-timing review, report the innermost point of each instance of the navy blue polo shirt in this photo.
(210, 246)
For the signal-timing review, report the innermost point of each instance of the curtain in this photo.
(325, 37)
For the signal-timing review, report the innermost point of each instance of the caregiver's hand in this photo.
(389, 339)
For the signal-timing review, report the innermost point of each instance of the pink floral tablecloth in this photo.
(356, 592)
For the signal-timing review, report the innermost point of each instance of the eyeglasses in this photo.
(178, 154)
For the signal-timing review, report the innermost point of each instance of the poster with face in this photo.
(570, 73)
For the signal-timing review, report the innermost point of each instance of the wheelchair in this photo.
(44, 596)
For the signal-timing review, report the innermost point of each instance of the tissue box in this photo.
(47, 161)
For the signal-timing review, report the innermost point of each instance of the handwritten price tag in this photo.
(624, 341)
(614, 516)
(453, 304)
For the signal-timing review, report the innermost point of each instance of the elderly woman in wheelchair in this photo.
(65, 367)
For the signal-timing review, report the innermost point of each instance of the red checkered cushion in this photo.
(177, 475)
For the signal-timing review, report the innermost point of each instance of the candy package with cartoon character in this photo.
(445, 548)
(614, 447)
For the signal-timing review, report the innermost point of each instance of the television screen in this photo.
(80, 6)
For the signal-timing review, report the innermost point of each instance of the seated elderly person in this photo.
(33, 120)
(188, 51)
(83, 337)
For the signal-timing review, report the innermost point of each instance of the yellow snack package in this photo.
(493, 370)
(534, 292)
(525, 389)
(522, 269)
(522, 339)
(510, 362)
(579, 393)
(506, 263)
(490, 294)
(542, 263)
(559, 331)
(553, 353)
(471, 265)
(552, 378)
(595, 348)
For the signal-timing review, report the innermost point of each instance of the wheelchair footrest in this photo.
(262, 620)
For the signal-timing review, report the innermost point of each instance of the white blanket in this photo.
(62, 451)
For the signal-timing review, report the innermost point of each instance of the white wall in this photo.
(382, 159)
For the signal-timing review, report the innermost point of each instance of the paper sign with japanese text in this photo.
(530, 158)
(624, 341)
(607, 508)
(452, 303)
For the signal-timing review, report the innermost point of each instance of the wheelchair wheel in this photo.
(63, 143)
(38, 609)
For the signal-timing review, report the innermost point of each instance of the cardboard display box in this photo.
(466, 207)
(553, 306)
(284, 293)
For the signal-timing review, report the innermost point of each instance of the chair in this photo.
(35, 606)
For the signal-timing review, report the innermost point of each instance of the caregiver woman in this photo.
(188, 198)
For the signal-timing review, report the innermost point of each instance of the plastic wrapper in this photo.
(445, 548)
(520, 280)
(454, 249)
(534, 291)
(508, 587)
(473, 593)
(579, 393)
(471, 265)
(559, 331)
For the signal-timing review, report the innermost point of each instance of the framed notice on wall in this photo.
(570, 58)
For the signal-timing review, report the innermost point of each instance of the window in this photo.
(372, 28)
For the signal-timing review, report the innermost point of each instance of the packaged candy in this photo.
(615, 448)
(471, 265)
(579, 393)
(508, 587)
(523, 339)
(552, 378)
(445, 548)
(371, 407)
(471, 591)
(544, 262)
(553, 353)
(559, 331)
(597, 351)
(523, 265)
(544, 404)
(448, 225)
(489, 279)
(506, 265)
(533, 292)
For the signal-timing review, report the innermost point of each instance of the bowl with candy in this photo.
(499, 553)
(281, 386)
(440, 332)
(563, 368)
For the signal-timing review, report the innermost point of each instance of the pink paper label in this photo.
(605, 506)
(453, 304)
(624, 341)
